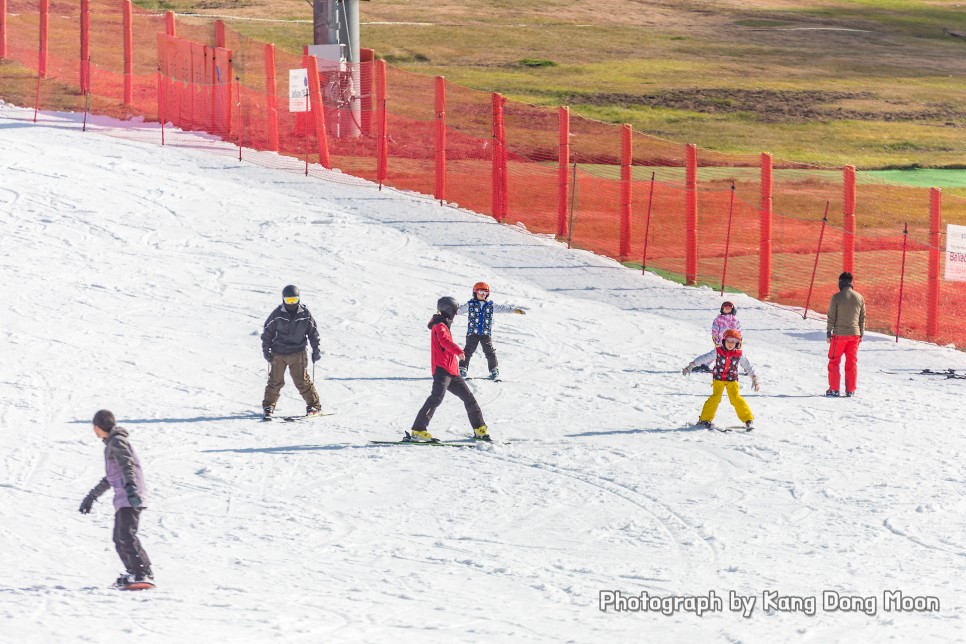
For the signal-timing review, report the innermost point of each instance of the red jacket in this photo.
(445, 351)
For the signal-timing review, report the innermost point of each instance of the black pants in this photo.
(126, 541)
(472, 341)
(444, 381)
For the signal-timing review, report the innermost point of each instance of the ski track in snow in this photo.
(138, 279)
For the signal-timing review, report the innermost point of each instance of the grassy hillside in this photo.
(874, 83)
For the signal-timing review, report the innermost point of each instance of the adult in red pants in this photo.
(846, 326)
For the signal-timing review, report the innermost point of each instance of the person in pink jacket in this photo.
(725, 320)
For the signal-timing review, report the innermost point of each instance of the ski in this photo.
(950, 374)
(436, 443)
(294, 419)
(733, 429)
(484, 378)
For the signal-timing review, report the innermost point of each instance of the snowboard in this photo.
(137, 585)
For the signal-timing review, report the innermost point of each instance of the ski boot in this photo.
(267, 413)
(704, 424)
(749, 425)
(124, 580)
(480, 434)
(849, 394)
(313, 410)
(462, 372)
(831, 393)
(495, 373)
(420, 436)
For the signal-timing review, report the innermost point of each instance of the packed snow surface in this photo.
(137, 278)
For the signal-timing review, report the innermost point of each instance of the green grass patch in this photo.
(679, 278)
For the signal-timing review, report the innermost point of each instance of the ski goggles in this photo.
(290, 300)
(482, 291)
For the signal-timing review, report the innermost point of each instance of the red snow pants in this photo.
(847, 345)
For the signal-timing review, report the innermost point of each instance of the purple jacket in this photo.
(123, 469)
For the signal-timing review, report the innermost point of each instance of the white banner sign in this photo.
(298, 90)
(956, 253)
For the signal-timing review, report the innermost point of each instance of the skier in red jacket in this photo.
(446, 376)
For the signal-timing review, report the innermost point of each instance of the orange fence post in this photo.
(169, 24)
(42, 58)
(382, 123)
(128, 52)
(691, 215)
(161, 103)
(764, 244)
(220, 38)
(366, 57)
(85, 46)
(499, 159)
(935, 248)
(270, 83)
(627, 142)
(3, 29)
(318, 110)
(563, 171)
(848, 220)
(439, 189)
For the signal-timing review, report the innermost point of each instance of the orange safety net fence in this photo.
(619, 193)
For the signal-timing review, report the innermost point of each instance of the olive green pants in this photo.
(297, 365)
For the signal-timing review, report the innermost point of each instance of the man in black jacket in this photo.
(287, 331)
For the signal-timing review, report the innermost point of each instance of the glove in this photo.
(87, 504)
(316, 354)
(519, 311)
(687, 369)
(268, 354)
(755, 383)
(132, 495)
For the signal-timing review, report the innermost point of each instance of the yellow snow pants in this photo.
(711, 404)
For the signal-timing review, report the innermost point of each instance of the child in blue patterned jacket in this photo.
(479, 327)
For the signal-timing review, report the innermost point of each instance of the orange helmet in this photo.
(481, 286)
(733, 334)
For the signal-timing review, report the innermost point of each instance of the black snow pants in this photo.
(444, 381)
(126, 541)
(472, 341)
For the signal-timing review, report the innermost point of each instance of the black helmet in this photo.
(448, 306)
(731, 304)
(290, 291)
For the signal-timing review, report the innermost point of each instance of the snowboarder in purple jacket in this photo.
(124, 475)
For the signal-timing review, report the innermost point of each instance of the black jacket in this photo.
(286, 333)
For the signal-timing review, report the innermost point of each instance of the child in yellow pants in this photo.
(726, 359)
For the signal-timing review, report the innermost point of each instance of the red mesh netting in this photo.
(637, 214)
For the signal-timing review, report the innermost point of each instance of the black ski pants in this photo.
(126, 541)
(444, 381)
(486, 341)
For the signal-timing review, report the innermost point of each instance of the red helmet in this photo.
(733, 334)
(481, 286)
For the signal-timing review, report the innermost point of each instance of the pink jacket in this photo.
(721, 324)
